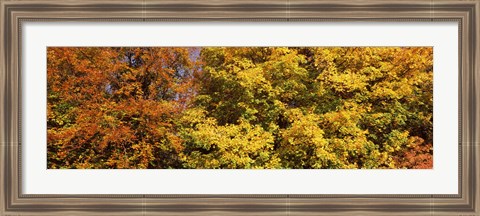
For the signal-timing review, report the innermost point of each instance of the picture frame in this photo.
(14, 13)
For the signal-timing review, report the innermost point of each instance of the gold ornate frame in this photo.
(15, 12)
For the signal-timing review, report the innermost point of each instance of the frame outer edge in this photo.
(476, 75)
(4, 123)
(3, 140)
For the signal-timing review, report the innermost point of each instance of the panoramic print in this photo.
(240, 107)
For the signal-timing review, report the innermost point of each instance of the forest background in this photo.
(240, 107)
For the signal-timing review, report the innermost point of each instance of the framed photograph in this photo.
(239, 107)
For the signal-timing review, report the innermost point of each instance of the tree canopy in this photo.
(240, 107)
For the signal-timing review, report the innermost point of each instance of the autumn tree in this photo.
(115, 107)
(326, 107)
